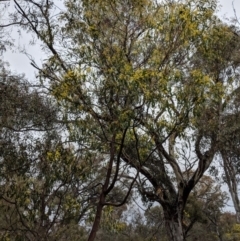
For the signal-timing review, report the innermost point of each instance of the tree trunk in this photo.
(238, 216)
(235, 199)
(218, 234)
(173, 224)
(97, 219)
(232, 183)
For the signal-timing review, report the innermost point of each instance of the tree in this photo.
(142, 87)
(225, 67)
(229, 151)
(5, 39)
(204, 210)
(44, 184)
(203, 218)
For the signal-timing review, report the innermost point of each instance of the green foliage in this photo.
(142, 87)
(41, 177)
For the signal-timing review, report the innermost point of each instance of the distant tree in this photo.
(204, 210)
(44, 185)
(5, 36)
(229, 145)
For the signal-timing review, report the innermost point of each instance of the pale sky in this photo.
(21, 63)
(227, 7)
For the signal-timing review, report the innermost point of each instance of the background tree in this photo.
(45, 186)
(204, 210)
(5, 36)
(224, 66)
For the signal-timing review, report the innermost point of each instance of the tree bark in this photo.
(97, 220)
(173, 224)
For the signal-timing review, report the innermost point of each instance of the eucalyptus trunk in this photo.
(173, 224)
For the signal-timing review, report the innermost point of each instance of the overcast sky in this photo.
(21, 63)
(227, 7)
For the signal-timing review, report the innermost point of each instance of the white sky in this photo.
(227, 7)
(21, 64)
